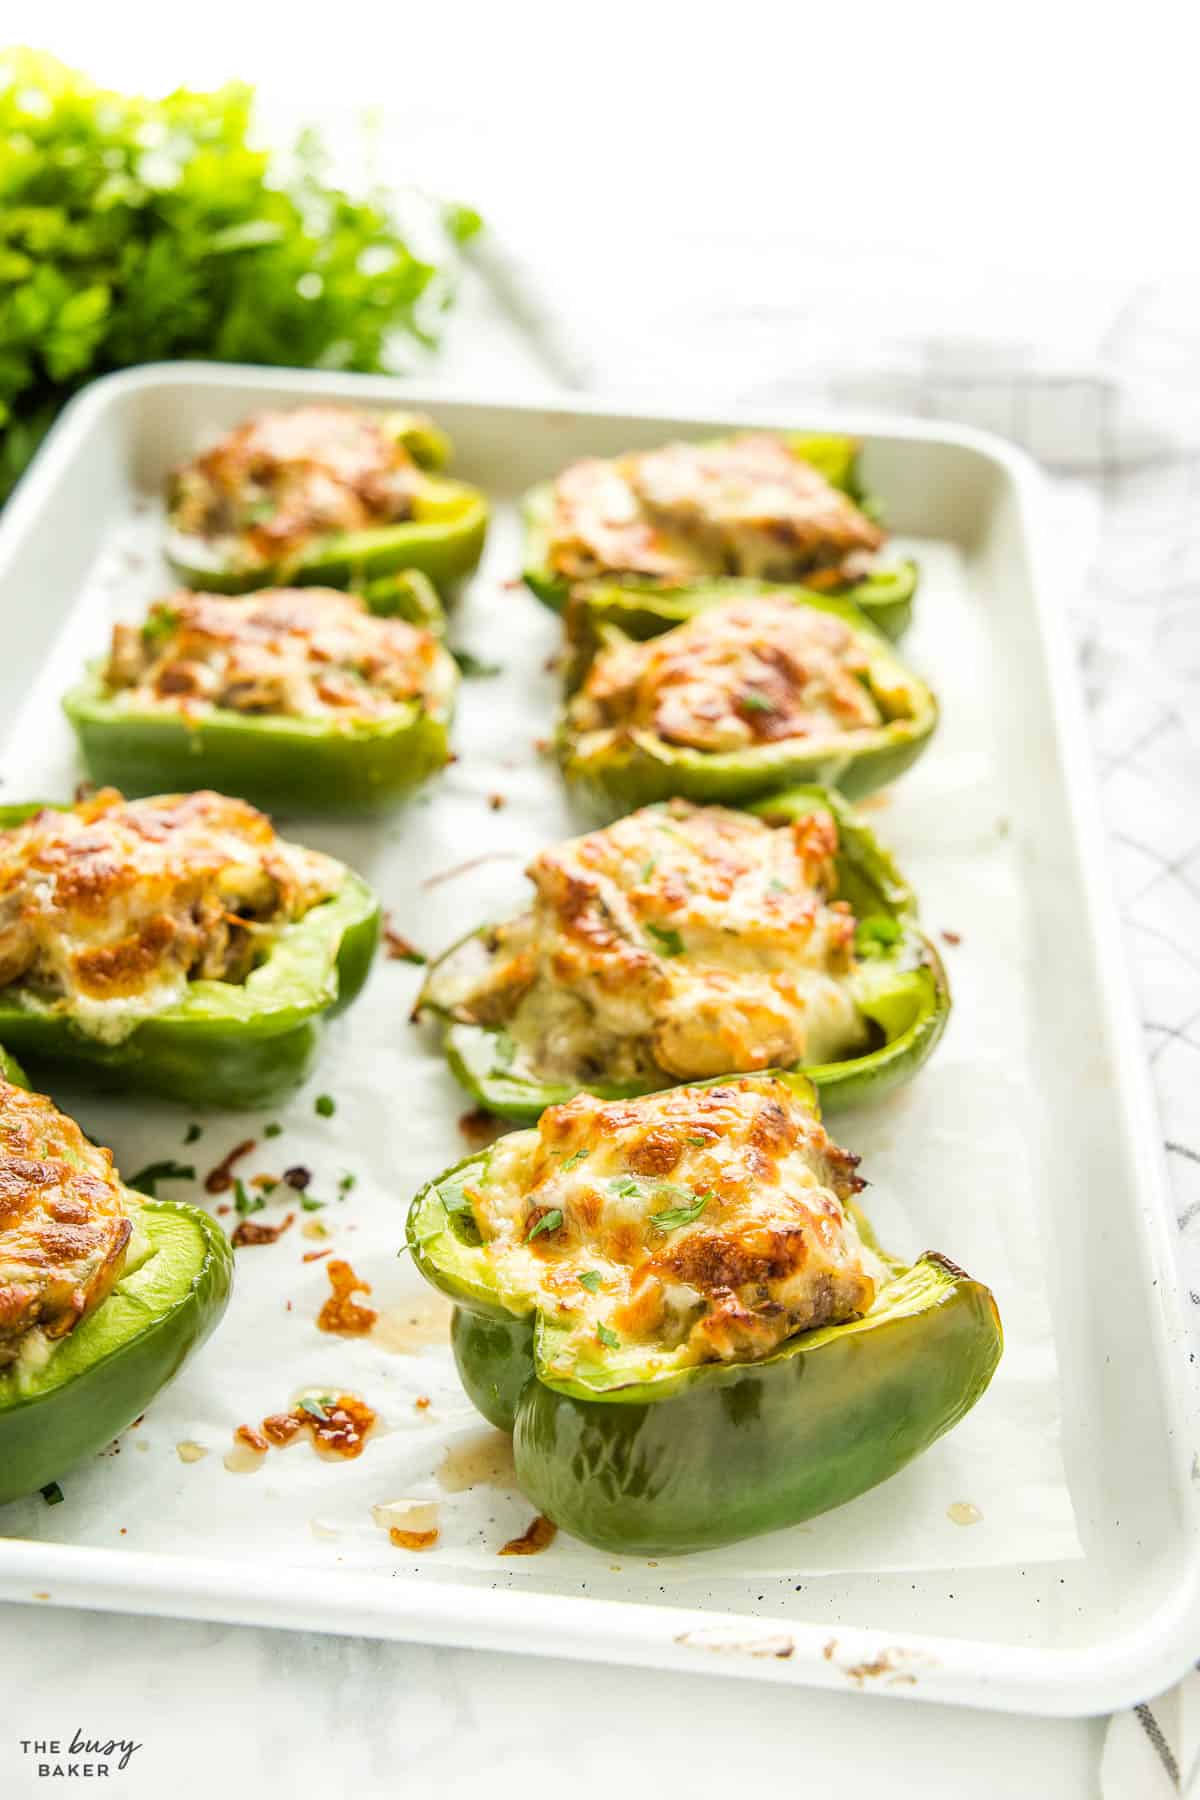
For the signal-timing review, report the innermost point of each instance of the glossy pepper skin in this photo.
(226, 1044)
(106, 1372)
(885, 596)
(900, 985)
(637, 767)
(443, 540)
(713, 1453)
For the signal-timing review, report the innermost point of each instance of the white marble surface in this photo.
(224, 1710)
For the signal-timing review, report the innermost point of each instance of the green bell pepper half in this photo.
(225, 1044)
(443, 539)
(106, 1372)
(285, 765)
(899, 985)
(885, 596)
(632, 768)
(655, 1462)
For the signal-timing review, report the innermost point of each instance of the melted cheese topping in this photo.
(707, 1222)
(64, 1232)
(110, 907)
(743, 506)
(751, 672)
(283, 479)
(291, 652)
(679, 943)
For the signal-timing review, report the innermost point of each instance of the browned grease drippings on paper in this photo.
(484, 1460)
(341, 1313)
(413, 1324)
(964, 1512)
(537, 1536)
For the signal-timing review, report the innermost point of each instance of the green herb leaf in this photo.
(647, 869)
(697, 1143)
(52, 1494)
(474, 667)
(346, 1182)
(591, 1279)
(751, 701)
(135, 230)
(549, 1221)
(624, 1185)
(675, 1216)
(272, 1130)
(876, 936)
(325, 1105)
(313, 1408)
(246, 1200)
(146, 1180)
(192, 1133)
(608, 1338)
(574, 1160)
(775, 886)
(667, 939)
(308, 1204)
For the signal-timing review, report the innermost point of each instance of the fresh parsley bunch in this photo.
(134, 229)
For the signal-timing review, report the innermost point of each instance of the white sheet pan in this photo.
(1065, 1130)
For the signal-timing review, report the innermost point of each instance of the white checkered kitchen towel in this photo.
(1102, 386)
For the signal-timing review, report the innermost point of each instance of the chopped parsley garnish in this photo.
(325, 1106)
(755, 702)
(624, 1186)
(159, 626)
(647, 869)
(697, 1143)
(573, 1161)
(273, 1130)
(875, 937)
(146, 1180)
(192, 1133)
(667, 939)
(549, 1221)
(346, 1181)
(591, 1279)
(309, 1204)
(474, 667)
(314, 1408)
(775, 886)
(675, 1216)
(52, 1494)
(455, 1200)
(608, 1338)
(245, 1202)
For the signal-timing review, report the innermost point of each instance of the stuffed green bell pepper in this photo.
(779, 506)
(322, 494)
(299, 699)
(675, 1307)
(685, 942)
(738, 698)
(173, 946)
(103, 1293)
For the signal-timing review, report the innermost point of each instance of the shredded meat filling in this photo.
(749, 673)
(292, 652)
(679, 943)
(63, 1228)
(743, 506)
(748, 1242)
(284, 479)
(111, 900)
